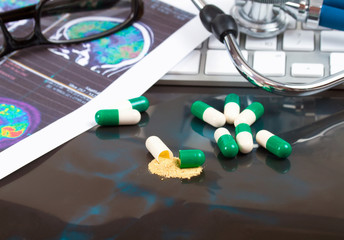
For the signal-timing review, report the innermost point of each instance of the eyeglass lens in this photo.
(63, 20)
(18, 29)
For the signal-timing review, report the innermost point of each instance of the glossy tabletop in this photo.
(97, 186)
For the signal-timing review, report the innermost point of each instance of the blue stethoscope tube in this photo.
(332, 14)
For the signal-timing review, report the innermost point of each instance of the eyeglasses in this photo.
(65, 21)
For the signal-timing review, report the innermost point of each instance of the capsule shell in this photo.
(273, 144)
(253, 112)
(191, 158)
(232, 107)
(226, 143)
(157, 148)
(114, 117)
(140, 104)
(208, 114)
(244, 139)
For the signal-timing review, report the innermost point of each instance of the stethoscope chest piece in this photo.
(259, 18)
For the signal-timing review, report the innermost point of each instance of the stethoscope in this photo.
(267, 18)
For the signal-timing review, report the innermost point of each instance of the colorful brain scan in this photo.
(107, 55)
(17, 121)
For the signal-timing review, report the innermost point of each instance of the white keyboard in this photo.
(301, 54)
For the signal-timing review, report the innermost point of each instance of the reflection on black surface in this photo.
(124, 131)
(196, 179)
(228, 164)
(117, 132)
(277, 164)
(202, 128)
(182, 220)
(95, 188)
(314, 130)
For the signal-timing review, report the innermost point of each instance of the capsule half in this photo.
(191, 158)
(226, 143)
(232, 107)
(243, 136)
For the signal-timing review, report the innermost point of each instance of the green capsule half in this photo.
(226, 143)
(191, 158)
(141, 103)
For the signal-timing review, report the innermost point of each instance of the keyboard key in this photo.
(307, 70)
(332, 41)
(296, 40)
(189, 65)
(261, 43)
(214, 43)
(269, 63)
(291, 22)
(336, 62)
(218, 62)
(312, 26)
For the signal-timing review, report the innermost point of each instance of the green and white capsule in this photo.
(254, 111)
(140, 104)
(244, 138)
(232, 107)
(273, 144)
(114, 117)
(226, 143)
(208, 114)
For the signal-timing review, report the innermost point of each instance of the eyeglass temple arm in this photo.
(225, 29)
(54, 8)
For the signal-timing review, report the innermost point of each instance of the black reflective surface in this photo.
(97, 186)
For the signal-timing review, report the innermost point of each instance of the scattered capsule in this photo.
(157, 148)
(141, 104)
(191, 158)
(208, 114)
(254, 111)
(226, 142)
(273, 144)
(232, 107)
(114, 117)
(243, 136)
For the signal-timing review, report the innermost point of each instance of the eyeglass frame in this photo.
(37, 38)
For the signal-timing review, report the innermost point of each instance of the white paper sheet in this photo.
(148, 71)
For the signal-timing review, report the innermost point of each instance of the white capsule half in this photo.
(129, 117)
(232, 107)
(243, 137)
(231, 111)
(157, 148)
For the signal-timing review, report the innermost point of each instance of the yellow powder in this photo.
(169, 168)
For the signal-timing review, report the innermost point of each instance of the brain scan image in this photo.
(108, 55)
(17, 121)
(6, 5)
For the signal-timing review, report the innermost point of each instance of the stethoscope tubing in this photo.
(332, 15)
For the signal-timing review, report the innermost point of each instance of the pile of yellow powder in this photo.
(169, 168)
